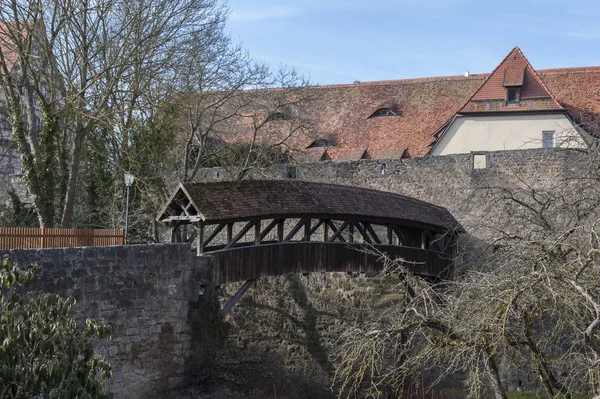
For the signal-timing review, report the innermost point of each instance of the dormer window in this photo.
(383, 112)
(513, 96)
(277, 116)
(321, 143)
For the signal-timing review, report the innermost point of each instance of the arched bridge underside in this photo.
(258, 228)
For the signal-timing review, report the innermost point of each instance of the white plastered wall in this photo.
(506, 132)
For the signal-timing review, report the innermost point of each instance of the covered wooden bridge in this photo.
(257, 228)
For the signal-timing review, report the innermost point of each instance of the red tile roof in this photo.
(577, 89)
(386, 153)
(514, 70)
(514, 76)
(8, 32)
(341, 112)
(343, 154)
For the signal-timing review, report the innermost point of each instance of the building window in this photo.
(480, 161)
(321, 142)
(5, 126)
(383, 112)
(278, 116)
(513, 96)
(548, 139)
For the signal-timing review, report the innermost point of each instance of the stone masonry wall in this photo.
(301, 318)
(143, 292)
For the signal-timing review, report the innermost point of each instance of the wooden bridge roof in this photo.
(228, 201)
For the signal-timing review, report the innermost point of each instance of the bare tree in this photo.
(71, 66)
(221, 100)
(526, 302)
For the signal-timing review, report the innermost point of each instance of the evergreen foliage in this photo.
(43, 353)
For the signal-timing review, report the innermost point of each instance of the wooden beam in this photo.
(187, 207)
(239, 235)
(364, 234)
(174, 231)
(200, 239)
(402, 238)
(214, 233)
(295, 230)
(229, 232)
(337, 232)
(390, 235)
(184, 233)
(235, 298)
(257, 240)
(373, 233)
(307, 223)
(190, 219)
(280, 226)
(192, 236)
(325, 230)
(268, 229)
(315, 227)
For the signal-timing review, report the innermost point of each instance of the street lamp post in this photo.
(129, 178)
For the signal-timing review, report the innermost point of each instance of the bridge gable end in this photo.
(180, 207)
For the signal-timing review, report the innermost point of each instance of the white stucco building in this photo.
(513, 109)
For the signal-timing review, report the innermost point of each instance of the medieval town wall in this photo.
(301, 318)
(161, 334)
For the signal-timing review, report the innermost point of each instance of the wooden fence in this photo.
(25, 237)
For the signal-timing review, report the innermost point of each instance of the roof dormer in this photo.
(512, 81)
(278, 116)
(321, 142)
(384, 111)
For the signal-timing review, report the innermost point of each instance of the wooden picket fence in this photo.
(25, 237)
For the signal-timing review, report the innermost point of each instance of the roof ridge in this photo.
(440, 78)
(582, 69)
(406, 81)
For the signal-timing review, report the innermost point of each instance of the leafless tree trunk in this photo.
(84, 64)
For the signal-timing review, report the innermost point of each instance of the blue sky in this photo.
(340, 41)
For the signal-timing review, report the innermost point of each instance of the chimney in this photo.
(467, 74)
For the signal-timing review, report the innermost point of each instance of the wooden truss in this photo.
(224, 236)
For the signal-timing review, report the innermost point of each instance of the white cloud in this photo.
(241, 15)
(593, 34)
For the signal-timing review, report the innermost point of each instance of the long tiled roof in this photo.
(246, 199)
(341, 113)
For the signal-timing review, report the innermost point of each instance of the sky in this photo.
(341, 41)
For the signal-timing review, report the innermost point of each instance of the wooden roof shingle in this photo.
(227, 201)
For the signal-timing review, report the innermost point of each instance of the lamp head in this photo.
(129, 178)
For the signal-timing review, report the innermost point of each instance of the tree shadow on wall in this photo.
(309, 324)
